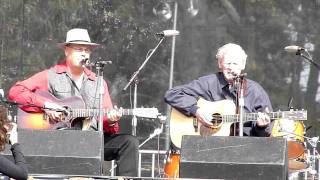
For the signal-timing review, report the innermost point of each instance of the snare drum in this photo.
(294, 132)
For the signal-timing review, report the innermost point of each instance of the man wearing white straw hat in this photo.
(72, 78)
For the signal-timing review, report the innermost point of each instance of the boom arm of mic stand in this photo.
(309, 59)
(133, 78)
(156, 132)
(135, 74)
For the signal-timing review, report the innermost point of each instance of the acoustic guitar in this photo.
(222, 115)
(74, 110)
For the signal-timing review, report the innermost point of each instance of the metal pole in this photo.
(241, 110)
(173, 46)
(134, 118)
(101, 112)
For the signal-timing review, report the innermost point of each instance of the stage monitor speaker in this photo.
(233, 158)
(70, 152)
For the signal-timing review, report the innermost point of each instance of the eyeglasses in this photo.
(229, 64)
(78, 49)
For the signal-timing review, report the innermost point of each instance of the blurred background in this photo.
(31, 29)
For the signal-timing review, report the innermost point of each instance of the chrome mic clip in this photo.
(87, 62)
(103, 62)
(239, 76)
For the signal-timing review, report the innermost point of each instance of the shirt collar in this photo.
(62, 68)
(222, 80)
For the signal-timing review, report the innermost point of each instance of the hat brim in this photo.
(93, 45)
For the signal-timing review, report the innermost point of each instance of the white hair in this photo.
(231, 48)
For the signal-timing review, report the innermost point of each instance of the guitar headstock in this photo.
(146, 112)
(295, 115)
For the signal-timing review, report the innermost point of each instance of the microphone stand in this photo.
(134, 78)
(240, 100)
(100, 88)
(308, 58)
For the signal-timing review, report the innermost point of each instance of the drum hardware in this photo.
(314, 157)
(307, 128)
(290, 102)
(288, 132)
(157, 131)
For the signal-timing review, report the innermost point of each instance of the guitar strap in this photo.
(73, 87)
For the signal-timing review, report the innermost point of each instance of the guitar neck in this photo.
(254, 116)
(96, 112)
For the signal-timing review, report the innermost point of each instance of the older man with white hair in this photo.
(231, 59)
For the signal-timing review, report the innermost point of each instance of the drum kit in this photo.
(303, 158)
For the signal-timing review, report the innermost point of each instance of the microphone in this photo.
(103, 62)
(294, 49)
(238, 76)
(168, 33)
(85, 61)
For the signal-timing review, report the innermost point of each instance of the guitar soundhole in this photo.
(216, 119)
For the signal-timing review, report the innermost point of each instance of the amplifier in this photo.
(233, 158)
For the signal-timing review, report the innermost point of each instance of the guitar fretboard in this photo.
(294, 115)
(96, 112)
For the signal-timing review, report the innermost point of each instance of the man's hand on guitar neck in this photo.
(54, 111)
(204, 117)
(114, 115)
(263, 119)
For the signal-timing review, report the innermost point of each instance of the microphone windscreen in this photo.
(293, 48)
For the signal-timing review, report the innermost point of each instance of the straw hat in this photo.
(78, 36)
